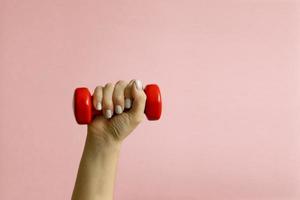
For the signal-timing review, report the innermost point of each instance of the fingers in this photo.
(118, 96)
(97, 98)
(108, 106)
(128, 96)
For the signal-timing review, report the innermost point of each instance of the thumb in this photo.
(139, 101)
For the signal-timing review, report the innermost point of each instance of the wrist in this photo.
(102, 143)
(97, 168)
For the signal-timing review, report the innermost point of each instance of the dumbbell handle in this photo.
(85, 112)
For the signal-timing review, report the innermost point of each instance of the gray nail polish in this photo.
(118, 109)
(108, 114)
(128, 103)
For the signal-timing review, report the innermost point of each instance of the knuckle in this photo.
(143, 97)
(127, 91)
(98, 97)
(109, 85)
(98, 89)
(107, 101)
(118, 99)
(121, 82)
(98, 92)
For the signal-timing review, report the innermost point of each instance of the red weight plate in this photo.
(82, 106)
(153, 103)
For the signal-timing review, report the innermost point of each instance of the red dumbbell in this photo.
(85, 112)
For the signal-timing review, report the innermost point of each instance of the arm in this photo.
(97, 170)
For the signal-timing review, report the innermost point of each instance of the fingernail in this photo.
(99, 106)
(138, 84)
(108, 114)
(118, 109)
(127, 103)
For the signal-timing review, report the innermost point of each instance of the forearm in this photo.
(97, 170)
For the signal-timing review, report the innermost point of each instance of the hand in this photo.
(122, 106)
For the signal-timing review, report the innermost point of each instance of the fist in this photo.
(122, 106)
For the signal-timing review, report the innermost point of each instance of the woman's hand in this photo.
(122, 106)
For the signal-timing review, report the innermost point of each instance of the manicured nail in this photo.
(108, 114)
(99, 106)
(127, 103)
(118, 109)
(138, 84)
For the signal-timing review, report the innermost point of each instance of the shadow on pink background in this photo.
(229, 76)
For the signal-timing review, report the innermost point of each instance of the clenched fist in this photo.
(122, 105)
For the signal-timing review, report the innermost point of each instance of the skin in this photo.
(97, 169)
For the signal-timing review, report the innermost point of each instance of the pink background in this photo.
(229, 75)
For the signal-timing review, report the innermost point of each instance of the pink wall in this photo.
(229, 75)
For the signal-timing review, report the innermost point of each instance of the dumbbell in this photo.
(85, 112)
